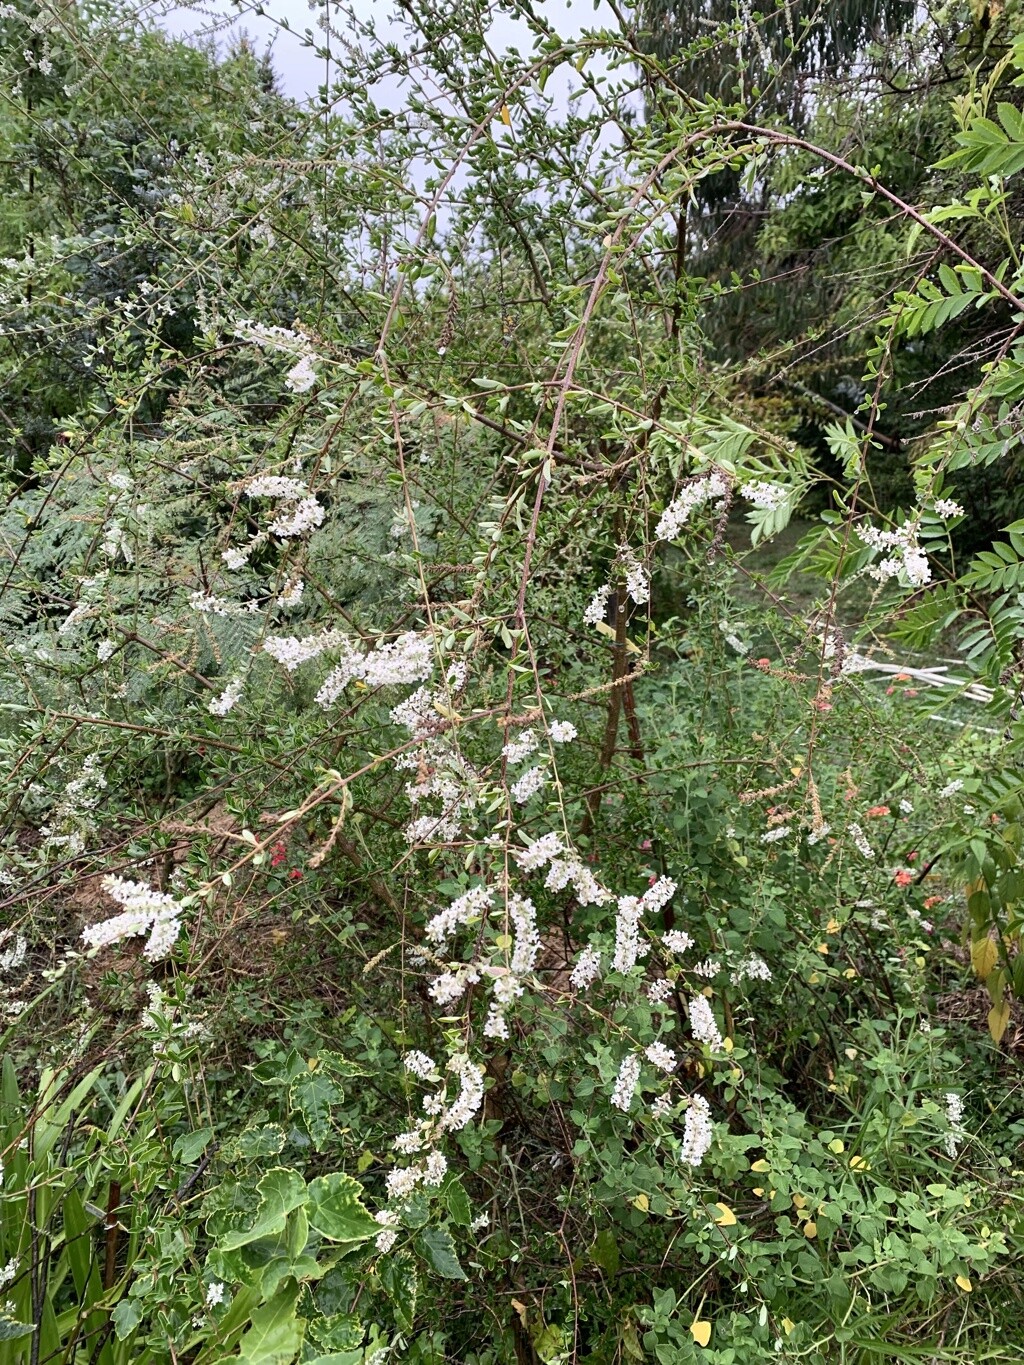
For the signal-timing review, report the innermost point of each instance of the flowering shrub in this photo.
(535, 960)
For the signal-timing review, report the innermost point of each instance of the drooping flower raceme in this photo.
(697, 1131)
(703, 1023)
(626, 1082)
(692, 496)
(144, 909)
(903, 553)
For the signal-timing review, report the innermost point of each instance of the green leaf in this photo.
(276, 1334)
(267, 1140)
(336, 1209)
(312, 1094)
(10, 1330)
(456, 1201)
(438, 1248)
(126, 1317)
(190, 1146)
(280, 1191)
(400, 1281)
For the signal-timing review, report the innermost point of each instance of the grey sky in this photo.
(301, 71)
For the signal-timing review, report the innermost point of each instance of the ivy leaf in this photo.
(275, 1335)
(456, 1201)
(400, 1282)
(336, 1209)
(312, 1094)
(280, 1191)
(437, 1246)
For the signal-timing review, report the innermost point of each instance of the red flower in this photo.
(277, 855)
(872, 811)
(903, 877)
(295, 873)
(911, 857)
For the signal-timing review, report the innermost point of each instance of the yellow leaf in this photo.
(506, 117)
(832, 927)
(727, 1045)
(726, 1219)
(701, 1332)
(760, 1166)
(810, 1230)
(799, 1201)
(850, 973)
(857, 1163)
(813, 979)
(964, 1283)
(984, 956)
(837, 1146)
(642, 1203)
(822, 947)
(758, 1190)
(787, 1325)
(998, 1018)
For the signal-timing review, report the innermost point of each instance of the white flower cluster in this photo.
(467, 908)
(12, 958)
(708, 968)
(772, 836)
(951, 789)
(71, 817)
(291, 594)
(298, 511)
(290, 652)
(302, 375)
(860, 839)
(751, 968)
(562, 731)
(631, 909)
(595, 612)
(903, 554)
(8, 1272)
(422, 1066)
(676, 941)
(441, 1118)
(144, 909)
(586, 970)
(517, 749)
(693, 496)
(955, 1119)
(104, 650)
(766, 496)
(661, 1056)
(697, 1131)
(703, 1023)
(638, 584)
(531, 782)
(232, 693)
(408, 659)
(626, 1082)
(947, 508)
(539, 853)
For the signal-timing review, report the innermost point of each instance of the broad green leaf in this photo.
(456, 1201)
(275, 1335)
(336, 1210)
(280, 1191)
(438, 1248)
(400, 1281)
(190, 1146)
(312, 1094)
